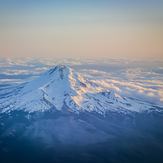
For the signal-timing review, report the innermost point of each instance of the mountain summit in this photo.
(54, 89)
(61, 88)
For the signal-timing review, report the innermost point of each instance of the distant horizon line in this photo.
(80, 58)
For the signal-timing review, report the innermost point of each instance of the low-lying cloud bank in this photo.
(138, 80)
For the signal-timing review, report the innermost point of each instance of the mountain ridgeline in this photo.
(61, 87)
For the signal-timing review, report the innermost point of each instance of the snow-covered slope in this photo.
(63, 89)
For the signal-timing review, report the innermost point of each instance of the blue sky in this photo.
(79, 3)
(70, 28)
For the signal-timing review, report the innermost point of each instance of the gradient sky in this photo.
(82, 28)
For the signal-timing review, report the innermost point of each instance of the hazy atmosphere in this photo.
(83, 28)
(81, 81)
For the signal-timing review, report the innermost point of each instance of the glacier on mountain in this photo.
(62, 88)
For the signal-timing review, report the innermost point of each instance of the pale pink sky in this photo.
(92, 31)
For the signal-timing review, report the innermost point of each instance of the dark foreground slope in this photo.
(88, 137)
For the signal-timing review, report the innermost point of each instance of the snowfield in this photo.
(62, 88)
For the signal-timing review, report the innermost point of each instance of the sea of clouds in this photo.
(138, 79)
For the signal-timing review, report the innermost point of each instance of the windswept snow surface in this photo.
(61, 88)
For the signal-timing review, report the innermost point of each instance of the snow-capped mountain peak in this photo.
(55, 85)
(61, 70)
(61, 88)
(58, 73)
